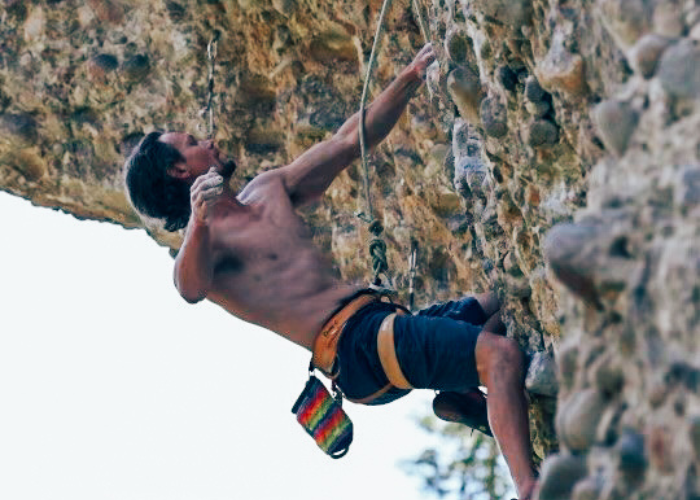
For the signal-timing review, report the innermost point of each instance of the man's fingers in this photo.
(209, 194)
(211, 178)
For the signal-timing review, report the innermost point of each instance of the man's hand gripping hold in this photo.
(204, 194)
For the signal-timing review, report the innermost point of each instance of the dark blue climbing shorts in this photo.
(435, 348)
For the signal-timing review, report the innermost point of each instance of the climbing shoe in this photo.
(464, 408)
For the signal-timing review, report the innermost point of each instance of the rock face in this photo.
(554, 155)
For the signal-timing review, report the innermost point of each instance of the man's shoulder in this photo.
(270, 179)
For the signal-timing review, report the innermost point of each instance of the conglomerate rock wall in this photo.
(573, 115)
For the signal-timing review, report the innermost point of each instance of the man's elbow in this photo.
(191, 296)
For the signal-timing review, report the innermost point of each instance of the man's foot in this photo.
(464, 408)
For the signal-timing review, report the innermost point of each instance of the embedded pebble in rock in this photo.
(630, 452)
(18, 126)
(511, 13)
(507, 77)
(466, 90)
(542, 133)
(471, 177)
(645, 55)
(28, 163)
(588, 489)
(493, 117)
(137, 68)
(616, 121)
(458, 46)
(667, 19)
(609, 379)
(541, 375)
(565, 251)
(578, 422)
(560, 473)
(102, 64)
(533, 91)
(679, 70)
(626, 20)
(695, 435)
(284, 7)
(561, 70)
(687, 189)
(537, 109)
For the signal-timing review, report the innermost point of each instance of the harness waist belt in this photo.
(326, 343)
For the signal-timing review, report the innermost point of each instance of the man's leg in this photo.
(492, 308)
(500, 364)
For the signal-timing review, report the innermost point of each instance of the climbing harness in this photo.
(208, 109)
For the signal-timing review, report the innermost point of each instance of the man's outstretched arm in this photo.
(308, 177)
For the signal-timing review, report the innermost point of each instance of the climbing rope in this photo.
(377, 246)
(209, 108)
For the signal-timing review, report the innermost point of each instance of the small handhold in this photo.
(588, 489)
(542, 133)
(644, 56)
(511, 13)
(537, 109)
(626, 21)
(458, 46)
(695, 435)
(562, 70)
(137, 67)
(541, 375)
(687, 189)
(106, 62)
(567, 255)
(493, 117)
(333, 46)
(20, 125)
(609, 378)
(616, 121)
(466, 91)
(560, 473)
(668, 20)
(578, 419)
(284, 7)
(630, 452)
(679, 70)
(471, 177)
(533, 91)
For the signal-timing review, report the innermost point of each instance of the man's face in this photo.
(199, 156)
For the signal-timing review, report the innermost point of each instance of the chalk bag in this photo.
(322, 416)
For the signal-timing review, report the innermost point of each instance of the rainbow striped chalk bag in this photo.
(323, 418)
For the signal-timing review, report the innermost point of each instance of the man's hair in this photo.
(152, 191)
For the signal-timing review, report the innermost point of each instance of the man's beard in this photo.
(229, 167)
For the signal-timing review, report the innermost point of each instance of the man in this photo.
(250, 253)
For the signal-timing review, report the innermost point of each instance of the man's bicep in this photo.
(308, 177)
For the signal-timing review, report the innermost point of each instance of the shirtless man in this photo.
(250, 253)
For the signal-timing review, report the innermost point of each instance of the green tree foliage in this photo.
(465, 465)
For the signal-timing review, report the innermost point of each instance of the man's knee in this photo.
(498, 356)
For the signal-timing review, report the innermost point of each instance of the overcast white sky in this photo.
(112, 387)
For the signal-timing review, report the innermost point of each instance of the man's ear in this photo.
(179, 170)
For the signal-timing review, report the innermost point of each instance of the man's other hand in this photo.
(203, 194)
(423, 59)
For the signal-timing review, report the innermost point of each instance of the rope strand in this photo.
(377, 247)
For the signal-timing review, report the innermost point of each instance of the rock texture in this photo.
(554, 155)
